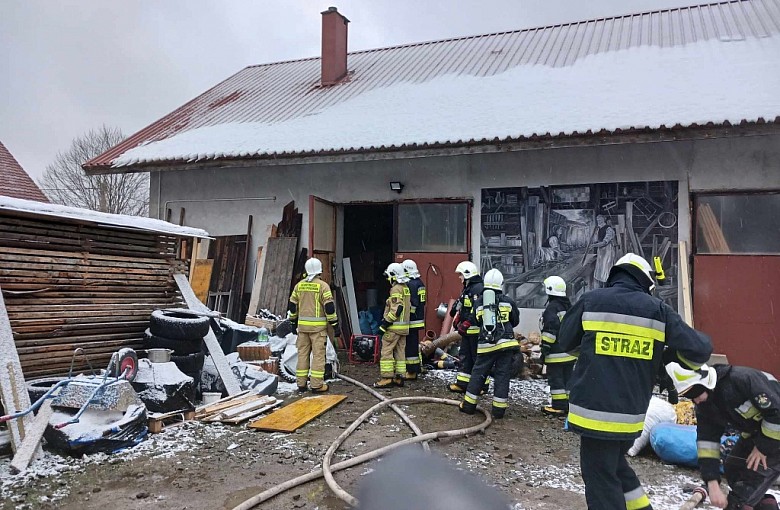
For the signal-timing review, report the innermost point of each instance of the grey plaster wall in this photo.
(738, 163)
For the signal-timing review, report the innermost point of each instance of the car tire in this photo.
(190, 364)
(178, 325)
(179, 347)
(36, 388)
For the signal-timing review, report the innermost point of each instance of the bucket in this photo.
(209, 397)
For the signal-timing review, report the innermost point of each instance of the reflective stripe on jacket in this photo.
(310, 299)
(472, 290)
(507, 317)
(417, 295)
(620, 333)
(550, 324)
(397, 309)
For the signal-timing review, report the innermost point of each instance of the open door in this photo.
(322, 234)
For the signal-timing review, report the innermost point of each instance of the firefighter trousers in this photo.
(499, 363)
(468, 356)
(311, 344)
(610, 483)
(747, 486)
(392, 358)
(558, 375)
(412, 351)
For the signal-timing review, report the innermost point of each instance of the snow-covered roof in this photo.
(97, 218)
(709, 64)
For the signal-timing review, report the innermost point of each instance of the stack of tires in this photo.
(182, 332)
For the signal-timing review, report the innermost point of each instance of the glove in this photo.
(336, 332)
(294, 327)
(545, 352)
(384, 326)
(463, 327)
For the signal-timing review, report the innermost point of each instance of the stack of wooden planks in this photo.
(713, 234)
(237, 408)
(69, 285)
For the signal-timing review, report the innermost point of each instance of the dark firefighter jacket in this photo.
(620, 333)
(550, 325)
(745, 398)
(472, 289)
(507, 317)
(417, 302)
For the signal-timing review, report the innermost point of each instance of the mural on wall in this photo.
(577, 232)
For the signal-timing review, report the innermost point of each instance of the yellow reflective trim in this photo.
(317, 374)
(770, 430)
(467, 301)
(561, 396)
(627, 346)
(559, 358)
(327, 295)
(641, 502)
(689, 363)
(406, 291)
(547, 338)
(308, 287)
(469, 399)
(706, 453)
(422, 294)
(312, 323)
(397, 295)
(605, 426)
(626, 329)
(500, 405)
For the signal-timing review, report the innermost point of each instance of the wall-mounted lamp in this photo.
(396, 186)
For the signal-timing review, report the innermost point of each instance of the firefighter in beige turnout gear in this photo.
(394, 328)
(311, 308)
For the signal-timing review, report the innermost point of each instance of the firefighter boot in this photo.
(384, 382)
(467, 407)
(302, 389)
(398, 380)
(410, 376)
(321, 389)
(498, 412)
(551, 411)
(457, 388)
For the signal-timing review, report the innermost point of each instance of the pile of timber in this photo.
(710, 227)
(68, 285)
(236, 408)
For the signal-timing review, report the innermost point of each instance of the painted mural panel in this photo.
(577, 232)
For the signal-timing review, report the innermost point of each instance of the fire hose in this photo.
(328, 469)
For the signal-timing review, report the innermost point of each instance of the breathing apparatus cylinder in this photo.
(489, 312)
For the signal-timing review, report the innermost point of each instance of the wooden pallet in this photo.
(159, 422)
(237, 409)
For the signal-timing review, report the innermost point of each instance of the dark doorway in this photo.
(368, 242)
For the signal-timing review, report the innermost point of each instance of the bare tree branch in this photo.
(65, 182)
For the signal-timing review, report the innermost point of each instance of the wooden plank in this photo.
(290, 418)
(29, 448)
(251, 413)
(12, 386)
(351, 299)
(200, 277)
(687, 311)
(254, 299)
(215, 350)
(278, 269)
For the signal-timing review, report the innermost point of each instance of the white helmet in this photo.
(637, 267)
(554, 286)
(313, 267)
(684, 379)
(395, 272)
(494, 280)
(410, 267)
(467, 269)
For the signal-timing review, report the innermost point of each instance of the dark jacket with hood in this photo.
(619, 333)
(553, 314)
(745, 398)
(472, 290)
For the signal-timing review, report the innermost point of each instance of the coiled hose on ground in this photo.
(328, 469)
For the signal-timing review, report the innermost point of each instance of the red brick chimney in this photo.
(334, 46)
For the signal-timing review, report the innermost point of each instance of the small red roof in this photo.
(14, 181)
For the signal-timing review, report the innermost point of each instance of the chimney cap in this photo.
(336, 10)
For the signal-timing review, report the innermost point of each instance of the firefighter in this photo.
(394, 328)
(746, 399)
(620, 332)
(496, 318)
(311, 308)
(559, 363)
(463, 309)
(417, 322)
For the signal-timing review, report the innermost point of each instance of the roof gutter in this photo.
(546, 142)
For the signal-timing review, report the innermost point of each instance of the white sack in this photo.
(659, 411)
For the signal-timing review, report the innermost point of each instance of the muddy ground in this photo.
(527, 456)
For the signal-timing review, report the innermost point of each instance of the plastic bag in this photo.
(675, 444)
(659, 411)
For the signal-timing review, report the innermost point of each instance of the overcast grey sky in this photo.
(67, 66)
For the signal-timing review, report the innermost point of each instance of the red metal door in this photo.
(734, 299)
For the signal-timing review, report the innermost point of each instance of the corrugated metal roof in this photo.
(287, 90)
(14, 181)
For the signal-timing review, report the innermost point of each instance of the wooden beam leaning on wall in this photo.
(13, 389)
(254, 300)
(215, 350)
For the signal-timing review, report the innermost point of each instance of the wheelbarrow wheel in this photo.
(126, 359)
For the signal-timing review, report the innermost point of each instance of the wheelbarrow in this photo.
(110, 390)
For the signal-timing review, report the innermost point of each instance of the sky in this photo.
(68, 66)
